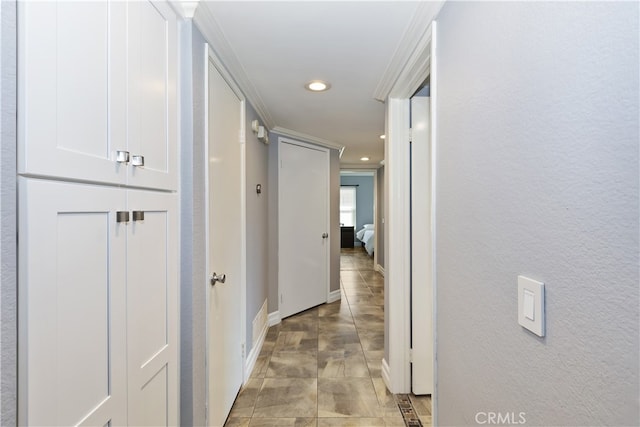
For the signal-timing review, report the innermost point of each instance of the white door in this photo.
(151, 94)
(421, 246)
(225, 361)
(72, 296)
(72, 61)
(303, 188)
(152, 308)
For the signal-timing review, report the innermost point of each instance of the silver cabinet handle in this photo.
(122, 156)
(138, 215)
(218, 278)
(137, 160)
(122, 216)
(325, 235)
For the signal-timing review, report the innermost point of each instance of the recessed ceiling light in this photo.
(383, 136)
(317, 86)
(364, 159)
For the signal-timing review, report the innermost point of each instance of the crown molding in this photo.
(410, 53)
(212, 32)
(307, 138)
(185, 8)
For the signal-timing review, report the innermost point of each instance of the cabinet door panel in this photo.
(72, 87)
(72, 298)
(152, 94)
(152, 309)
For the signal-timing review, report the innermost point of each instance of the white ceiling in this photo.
(273, 48)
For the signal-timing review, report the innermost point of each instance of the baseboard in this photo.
(380, 269)
(259, 323)
(252, 357)
(334, 296)
(386, 374)
(274, 318)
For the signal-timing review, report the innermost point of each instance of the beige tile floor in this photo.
(322, 367)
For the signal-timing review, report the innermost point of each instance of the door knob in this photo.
(137, 160)
(325, 235)
(218, 278)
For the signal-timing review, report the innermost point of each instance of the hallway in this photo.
(322, 366)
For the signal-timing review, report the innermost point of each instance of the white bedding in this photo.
(366, 236)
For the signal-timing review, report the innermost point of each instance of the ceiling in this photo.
(273, 48)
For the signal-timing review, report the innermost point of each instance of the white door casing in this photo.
(421, 266)
(303, 224)
(225, 243)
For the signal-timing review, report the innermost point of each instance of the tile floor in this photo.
(322, 367)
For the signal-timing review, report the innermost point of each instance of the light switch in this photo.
(531, 305)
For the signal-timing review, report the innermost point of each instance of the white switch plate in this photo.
(531, 305)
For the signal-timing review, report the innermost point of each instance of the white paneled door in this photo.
(225, 216)
(72, 344)
(303, 187)
(152, 309)
(100, 103)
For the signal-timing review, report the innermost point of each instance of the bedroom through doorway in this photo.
(362, 214)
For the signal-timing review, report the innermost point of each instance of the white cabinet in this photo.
(98, 78)
(72, 295)
(98, 294)
(152, 309)
(98, 305)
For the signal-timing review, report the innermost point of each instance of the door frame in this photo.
(396, 370)
(374, 171)
(210, 56)
(327, 152)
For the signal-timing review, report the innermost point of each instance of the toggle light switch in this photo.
(531, 305)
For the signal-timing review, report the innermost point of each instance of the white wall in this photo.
(538, 136)
(8, 244)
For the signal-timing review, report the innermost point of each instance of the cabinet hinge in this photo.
(410, 355)
(242, 350)
(410, 136)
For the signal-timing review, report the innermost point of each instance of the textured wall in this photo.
(8, 244)
(257, 224)
(380, 216)
(538, 175)
(364, 199)
(193, 263)
(273, 223)
(334, 220)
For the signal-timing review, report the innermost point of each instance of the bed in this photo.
(367, 237)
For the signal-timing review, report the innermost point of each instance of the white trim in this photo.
(434, 164)
(334, 296)
(397, 256)
(307, 138)
(380, 269)
(281, 228)
(186, 9)
(274, 318)
(207, 23)
(385, 372)
(401, 71)
(252, 357)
